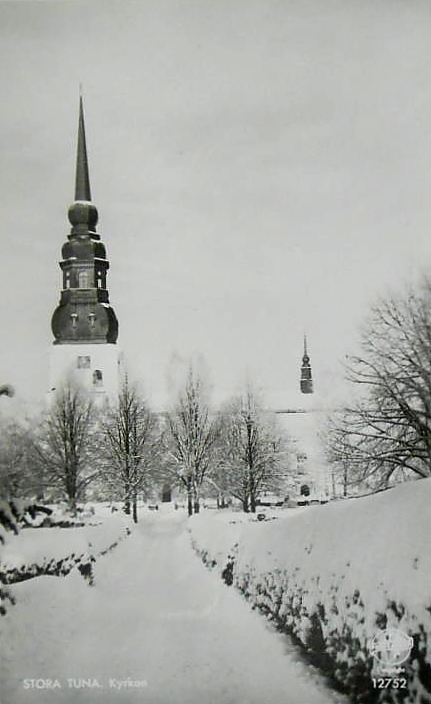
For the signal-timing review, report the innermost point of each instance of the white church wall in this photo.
(303, 428)
(94, 367)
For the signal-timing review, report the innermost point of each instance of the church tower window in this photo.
(97, 377)
(83, 362)
(83, 279)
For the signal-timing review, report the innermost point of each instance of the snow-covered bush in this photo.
(334, 576)
(55, 552)
(18, 512)
(48, 566)
(13, 514)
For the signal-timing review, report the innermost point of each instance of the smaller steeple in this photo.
(306, 377)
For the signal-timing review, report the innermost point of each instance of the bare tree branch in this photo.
(385, 435)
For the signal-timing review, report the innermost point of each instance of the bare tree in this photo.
(345, 470)
(385, 434)
(217, 485)
(131, 432)
(254, 450)
(18, 476)
(64, 445)
(191, 437)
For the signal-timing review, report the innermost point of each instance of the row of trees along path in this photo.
(125, 450)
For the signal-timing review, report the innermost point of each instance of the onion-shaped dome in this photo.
(83, 215)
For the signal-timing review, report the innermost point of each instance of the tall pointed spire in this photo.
(82, 213)
(306, 383)
(82, 181)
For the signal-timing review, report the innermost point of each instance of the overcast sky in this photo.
(261, 168)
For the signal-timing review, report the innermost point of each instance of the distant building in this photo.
(84, 324)
(302, 416)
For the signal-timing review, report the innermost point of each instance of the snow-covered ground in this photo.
(156, 627)
(340, 572)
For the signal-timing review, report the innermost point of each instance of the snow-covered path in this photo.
(157, 616)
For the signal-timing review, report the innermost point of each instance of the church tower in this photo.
(84, 325)
(306, 378)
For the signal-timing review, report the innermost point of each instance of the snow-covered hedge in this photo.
(13, 514)
(55, 551)
(334, 576)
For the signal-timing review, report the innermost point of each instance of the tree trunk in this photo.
(253, 503)
(126, 507)
(135, 509)
(72, 505)
(71, 491)
(245, 505)
(189, 496)
(196, 505)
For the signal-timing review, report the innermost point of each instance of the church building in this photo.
(85, 330)
(84, 324)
